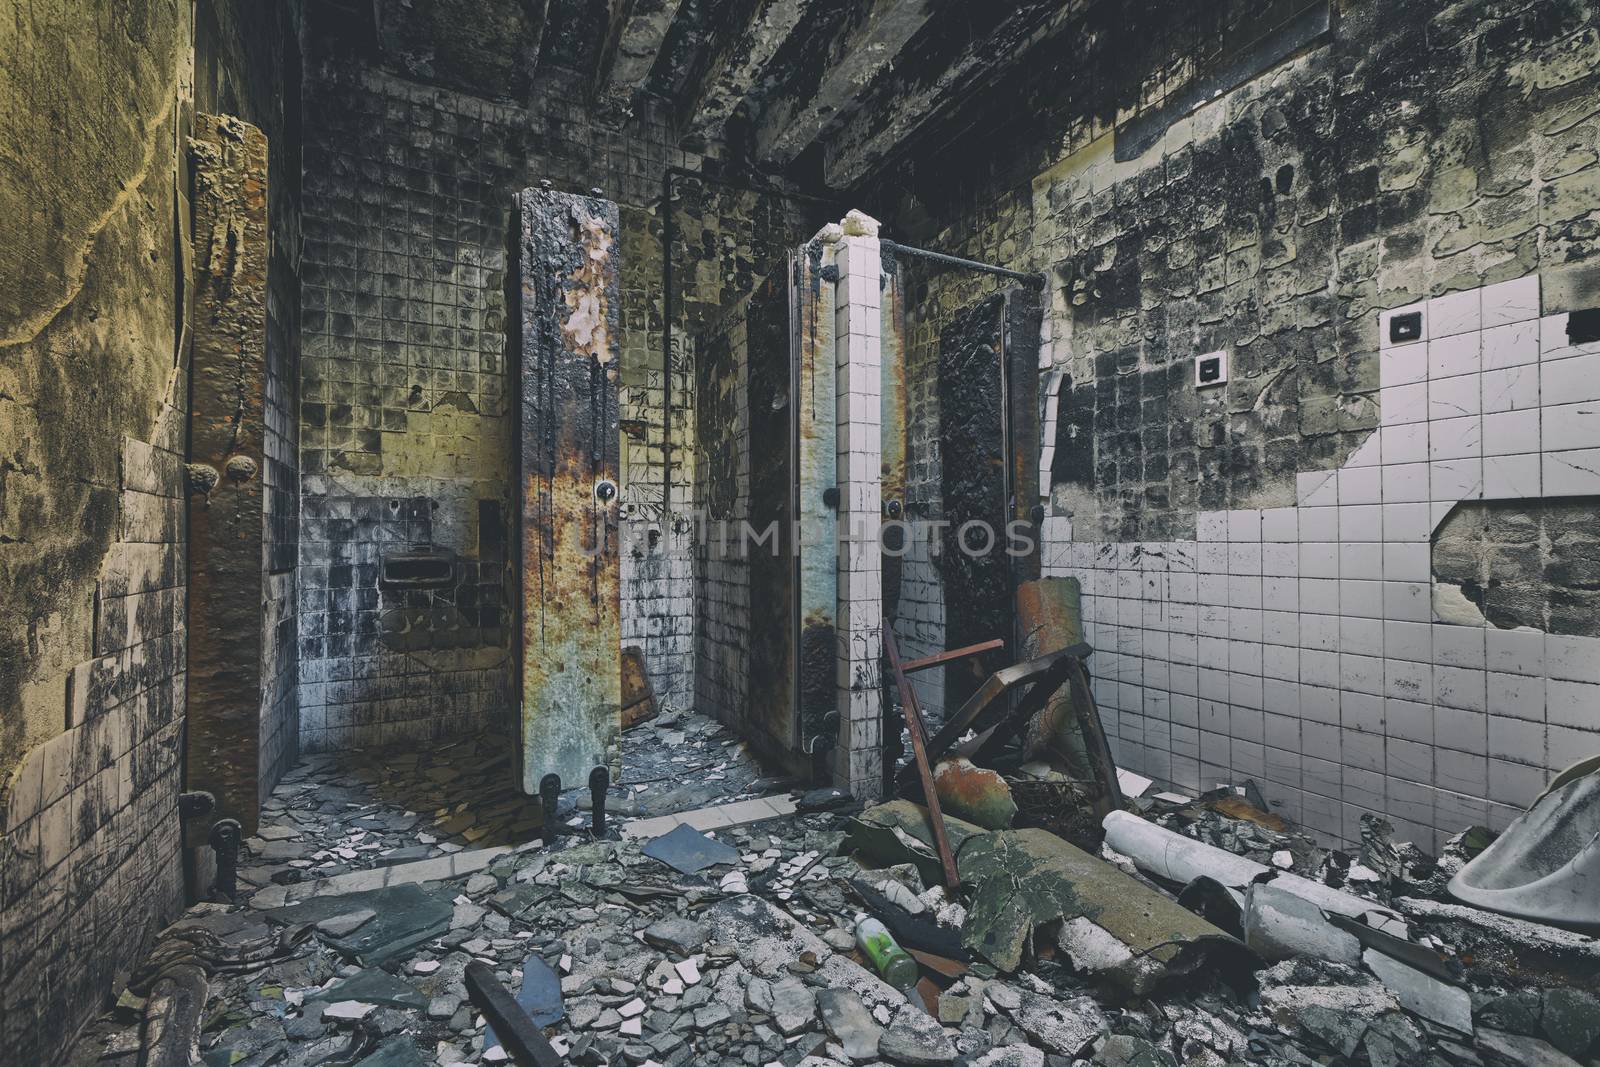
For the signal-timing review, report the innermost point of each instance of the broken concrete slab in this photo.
(1025, 878)
(1436, 1001)
(848, 1021)
(677, 934)
(343, 925)
(899, 832)
(404, 916)
(915, 1039)
(1279, 925)
(1062, 1027)
(373, 986)
(1523, 1050)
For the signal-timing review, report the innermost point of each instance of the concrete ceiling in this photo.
(836, 88)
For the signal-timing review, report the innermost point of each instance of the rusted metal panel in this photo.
(570, 334)
(226, 520)
(816, 494)
(638, 699)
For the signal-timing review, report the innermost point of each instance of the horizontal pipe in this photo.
(1035, 280)
(1158, 851)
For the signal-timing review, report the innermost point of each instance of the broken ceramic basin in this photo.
(1546, 866)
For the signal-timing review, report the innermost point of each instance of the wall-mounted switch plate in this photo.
(1210, 369)
(1407, 327)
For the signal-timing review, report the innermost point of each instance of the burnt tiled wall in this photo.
(1277, 220)
(408, 198)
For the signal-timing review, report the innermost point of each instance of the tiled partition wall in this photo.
(1305, 647)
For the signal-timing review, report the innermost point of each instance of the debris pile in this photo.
(741, 948)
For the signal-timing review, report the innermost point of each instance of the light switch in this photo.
(1210, 369)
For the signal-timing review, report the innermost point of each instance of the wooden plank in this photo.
(919, 750)
(569, 332)
(940, 658)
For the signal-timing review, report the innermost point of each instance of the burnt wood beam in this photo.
(867, 47)
(635, 32)
(899, 106)
(737, 68)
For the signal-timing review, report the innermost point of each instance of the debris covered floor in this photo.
(357, 809)
(738, 948)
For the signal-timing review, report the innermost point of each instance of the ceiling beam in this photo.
(737, 67)
(866, 47)
(899, 106)
(635, 32)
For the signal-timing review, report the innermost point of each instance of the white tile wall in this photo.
(1299, 646)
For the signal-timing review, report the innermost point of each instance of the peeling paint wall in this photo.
(1395, 153)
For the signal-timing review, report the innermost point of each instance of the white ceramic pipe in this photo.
(1180, 859)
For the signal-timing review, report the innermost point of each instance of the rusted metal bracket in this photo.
(599, 782)
(919, 747)
(940, 658)
(521, 1038)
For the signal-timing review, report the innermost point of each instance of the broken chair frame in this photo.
(1043, 676)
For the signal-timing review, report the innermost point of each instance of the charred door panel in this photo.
(974, 480)
(227, 453)
(569, 334)
(1024, 314)
(815, 490)
(772, 575)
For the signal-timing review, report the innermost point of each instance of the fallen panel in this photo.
(1546, 865)
(407, 915)
(1436, 1001)
(570, 334)
(899, 832)
(689, 851)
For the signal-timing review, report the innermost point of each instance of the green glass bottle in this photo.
(893, 962)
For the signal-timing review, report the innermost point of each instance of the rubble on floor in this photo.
(752, 961)
(360, 809)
